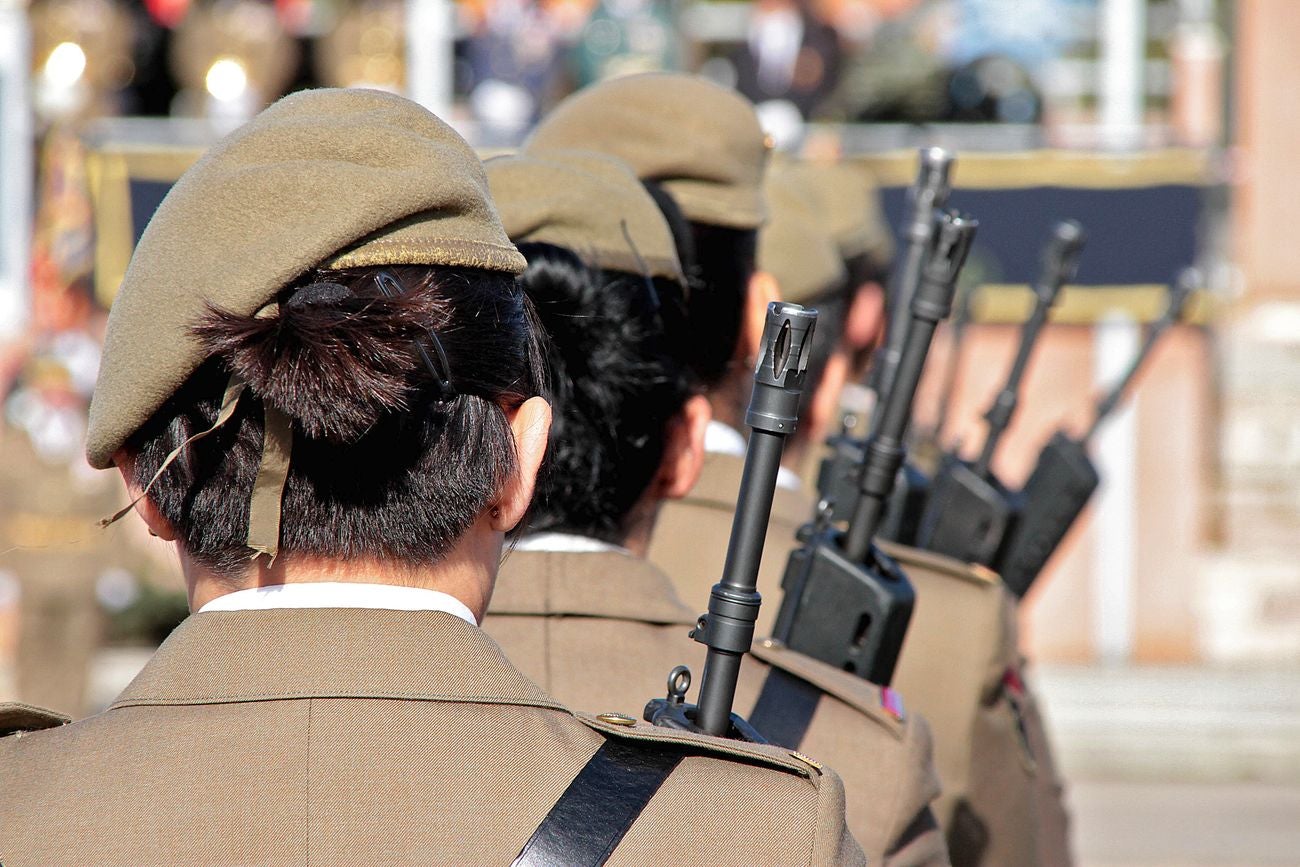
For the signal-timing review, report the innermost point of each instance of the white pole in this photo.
(1115, 519)
(15, 169)
(430, 37)
(1123, 55)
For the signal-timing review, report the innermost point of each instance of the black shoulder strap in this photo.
(601, 803)
(785, 708)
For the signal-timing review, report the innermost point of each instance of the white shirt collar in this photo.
(723, 439)
(341, 594)
(569, 543)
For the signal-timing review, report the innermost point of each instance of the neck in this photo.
(729, 398)
(468, 572)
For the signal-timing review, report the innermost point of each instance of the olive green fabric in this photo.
(333, 178)
(587, 202)
(353, 736)
(846, 203)
(989, 747)
(700, 140)
(794, 246)
(1002, 802)
(601, 630)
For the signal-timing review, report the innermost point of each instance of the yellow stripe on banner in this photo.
(1008, 304)
(1054, 168)
(109, 173)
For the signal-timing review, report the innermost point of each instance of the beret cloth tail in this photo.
(700, 140)
(322, 178)
(586, 202)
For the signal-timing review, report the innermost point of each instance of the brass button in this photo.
(816, 765)
(617, 719)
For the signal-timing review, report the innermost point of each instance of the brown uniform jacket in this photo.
(1001, 803)
(601, 631)
(346, 736)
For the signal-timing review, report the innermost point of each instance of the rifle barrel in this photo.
(728, 628)
(885, 449)
(927, 197)
(1060, 261)
(1188, 281)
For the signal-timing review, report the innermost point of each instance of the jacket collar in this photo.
(589, 584)
(235, 656)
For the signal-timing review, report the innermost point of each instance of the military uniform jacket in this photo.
(602, 630)
(690, 538)
(960, 668)
(347, 736)
(1002, 800)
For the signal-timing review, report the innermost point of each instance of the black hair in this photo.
(381, 468)
(615, 379)
(719, 262)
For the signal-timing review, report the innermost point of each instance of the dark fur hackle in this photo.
(334, 362)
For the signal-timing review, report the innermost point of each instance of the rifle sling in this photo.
(785, 708)
(596, 810)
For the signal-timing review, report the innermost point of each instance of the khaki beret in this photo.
(700, 140)
(322, 178)
(586, 202)
(794, 247)
(846, 200)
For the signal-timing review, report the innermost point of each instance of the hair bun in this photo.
(331, 360)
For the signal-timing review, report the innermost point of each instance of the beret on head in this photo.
(846, 200)
(586, 202)
(795, 248)
(700, 140)
(322, 178)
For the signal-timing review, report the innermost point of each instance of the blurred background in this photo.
(1166, 638)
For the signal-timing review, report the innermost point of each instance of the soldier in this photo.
(628, 435)
(960, 666)
(320, 382)
(701, 146)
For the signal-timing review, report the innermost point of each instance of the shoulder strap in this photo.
(599, 806)
(15, 716)
(785, 708)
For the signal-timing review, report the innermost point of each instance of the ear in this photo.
(531, 425)
(144, 506)
(683, 459)
(866, 318)
(762, 291)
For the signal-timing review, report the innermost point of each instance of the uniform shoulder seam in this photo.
(972, 573)
(770, 756)
(18, 717)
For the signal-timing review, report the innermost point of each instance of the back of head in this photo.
(615, 384)
(603, 276)
(288, 289)
(701, 144)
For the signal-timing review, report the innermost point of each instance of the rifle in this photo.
(728, 627)
(845, 602)
(836, 477)
(928, 452)
(1065, 478)
(970, 512)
